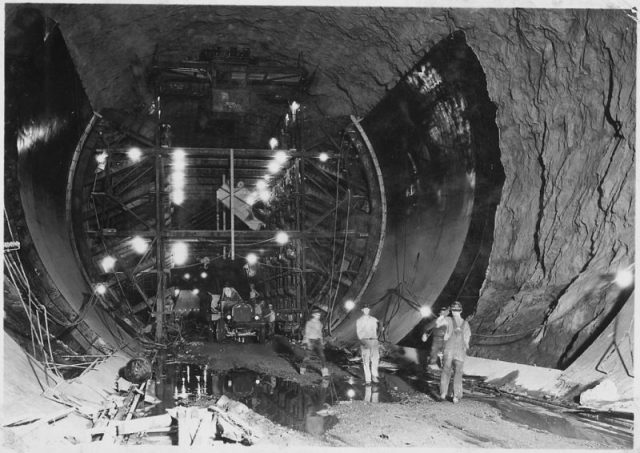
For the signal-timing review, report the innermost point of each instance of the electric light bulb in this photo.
(101, 289)
(425, 311)
(323, 157)
(180, 253)
(624, 278)
(282, 238)
(139, 245)
(280, 157)
(273, 167)
(134, 154)
(108, 263)
(252, 258)
(349, 305)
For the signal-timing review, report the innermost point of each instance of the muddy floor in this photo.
(402, 411)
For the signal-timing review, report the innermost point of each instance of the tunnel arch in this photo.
(436, 138)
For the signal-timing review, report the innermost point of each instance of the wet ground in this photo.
(343, 411)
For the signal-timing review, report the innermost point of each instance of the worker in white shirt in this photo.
(367, 330)
(456, 343)
(314, 343)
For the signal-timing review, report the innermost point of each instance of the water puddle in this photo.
(283, 401)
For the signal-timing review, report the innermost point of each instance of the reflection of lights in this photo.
(180, 253)
(273, 167)
(280, 157)
(425, 311)
(203, 275)
(282, 238)
(134, 154)
(107, 263)
(178, 155)
(261, 185)
(139, 245)
(187, 276)
(349, 305)
(195, 291)
(294, 107)
(252, 258)
(273, 143)
(323, 157)
(101, 289)
(624, 278)
(351, 393)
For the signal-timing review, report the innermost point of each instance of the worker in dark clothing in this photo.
(314, 343)
(456, 343)
(437, 340)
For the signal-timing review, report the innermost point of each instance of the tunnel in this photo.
(413, 158)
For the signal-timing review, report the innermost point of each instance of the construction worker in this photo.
(437, 340)
(456, 343)
(314, 342)
(367, 331)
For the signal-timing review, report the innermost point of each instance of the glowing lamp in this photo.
(203, 275)
(256, 317)
(351, 393)
(229, 318)
(349, 305)
(139, 245)
(176, 292)
(108, 263)
(187, 276)
(134, 154)
(273, 167)
(101, 289)
(101, 158)
(425, 311)
(273, 143)
(624, 278)
(323, 157)
(252, 259)
(195, 291)
(280, 157)
(282, 238)
(180, 253)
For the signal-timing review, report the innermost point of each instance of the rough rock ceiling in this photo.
(563, 82)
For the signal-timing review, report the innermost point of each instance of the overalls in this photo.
(454, 353)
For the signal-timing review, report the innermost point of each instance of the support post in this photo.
(232, 205)
(159, 250)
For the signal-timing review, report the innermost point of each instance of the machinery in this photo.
(240, 321)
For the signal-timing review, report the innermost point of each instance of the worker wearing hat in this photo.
(367, 331)
(456, 343)
(437, 339)
(313, 342)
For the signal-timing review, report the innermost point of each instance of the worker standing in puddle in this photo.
(367, 331)
(456, 343)
(314, 342)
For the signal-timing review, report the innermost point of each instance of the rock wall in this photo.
(563, 82)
